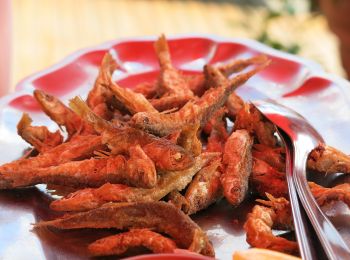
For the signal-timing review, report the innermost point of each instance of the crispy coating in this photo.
(141, 168)
(255, 123)
(38, 136)
(189, 140)
(200, 109)
(160, 216)
(237, 162)
(199, 242)
(326, 159)
(86, 199)
(178, 200)
(214, 78)
(217, 76)
(86, 172)
(275, 157)
(283, 219)
(173, 137)
(165, 154)
(79, 147)
(148, 89)
(62, 115)
(168, 156)
(172, 85)
(134, 102)
(199, 83)
(217, 120)
(119, 244)
(168, 73)
(91, 172)
(89, 198)
(262, 219)
(106, 98)
(218, 132)
(205, 188)
(234, 104)
(238, 65)
(216, 141)
(138, 170)
(170, 102)
(133, 147)
(104, 111)
(265, 178)
(324, 195)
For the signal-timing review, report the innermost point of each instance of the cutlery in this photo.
(300, 220)
(307, 252)
(304, 139)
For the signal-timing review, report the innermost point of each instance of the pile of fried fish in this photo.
(142, 160)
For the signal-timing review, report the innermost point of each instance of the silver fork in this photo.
(304, 138)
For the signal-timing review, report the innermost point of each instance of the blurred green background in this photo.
(45, 31)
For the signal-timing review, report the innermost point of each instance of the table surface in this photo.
(45, 31)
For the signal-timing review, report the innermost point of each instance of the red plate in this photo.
(302, 85)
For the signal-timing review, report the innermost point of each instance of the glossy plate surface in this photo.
(302, 85)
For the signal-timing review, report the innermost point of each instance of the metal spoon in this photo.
(305, 138)
(300, 220)
(307, 252)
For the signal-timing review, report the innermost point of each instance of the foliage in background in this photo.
(287, 8)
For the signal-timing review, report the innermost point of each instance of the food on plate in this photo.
(119, 244)
(238, 65)
(148, 89)
(62, 115)
(199, 109)
(141, 168)
(89, 198)
(237, 164)
(160, 216)
(88, 172)
(271, 155)
(275, 213)
(188, 139)
(78, 148)
(325, 196)
(234, 104)
(217, 130)
(132, 101)
(326, 159)
(173, 90)
(265, 178)
(205, 188)
(178, 200)
(38, 136)
(255, 123)
(165, 154)
(100, 97)
(143, 160)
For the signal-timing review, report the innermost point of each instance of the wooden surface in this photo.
(44, 31)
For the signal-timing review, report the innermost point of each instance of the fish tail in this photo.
(82, 109)
(24, 122)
